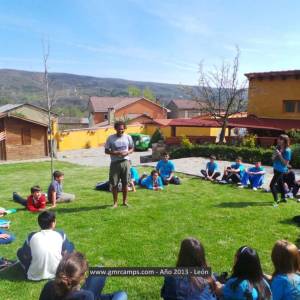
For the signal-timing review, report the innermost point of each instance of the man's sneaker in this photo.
(254, 189)
(276, 204)
(240, 186)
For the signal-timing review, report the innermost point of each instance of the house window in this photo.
(289, 106)
(26, 136)
(105, 116)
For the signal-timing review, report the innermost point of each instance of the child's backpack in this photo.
(176, 180)
(102, 186)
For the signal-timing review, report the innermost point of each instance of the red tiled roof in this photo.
(273, 74)
(102, 104)
(188, 104)
(194, 123)
(264, 123)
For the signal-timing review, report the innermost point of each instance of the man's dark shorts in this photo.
(119, 170)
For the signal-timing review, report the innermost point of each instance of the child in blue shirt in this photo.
(286, 278)
(234, 173)
(247, 279)
(212, 169)
(281, 158)
(254, 175)
(153, 182)
(134, 177)
(166, 169)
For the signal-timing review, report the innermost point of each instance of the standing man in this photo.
(119, 146)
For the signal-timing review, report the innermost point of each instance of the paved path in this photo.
(95, 157)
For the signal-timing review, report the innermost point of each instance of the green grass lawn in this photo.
(150, 231)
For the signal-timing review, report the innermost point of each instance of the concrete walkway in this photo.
(95, 157)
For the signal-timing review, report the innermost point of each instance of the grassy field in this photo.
(149, 232)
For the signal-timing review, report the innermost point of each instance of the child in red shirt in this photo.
(35, 202)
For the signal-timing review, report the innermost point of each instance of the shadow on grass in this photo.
(243, 204)
(14, 274)
(296, 222)
(81, 209)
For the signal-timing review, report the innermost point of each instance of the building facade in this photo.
(274, 95)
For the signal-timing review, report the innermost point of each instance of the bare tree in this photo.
(50, 100)
(221, 92)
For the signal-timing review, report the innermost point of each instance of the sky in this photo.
(149, 40)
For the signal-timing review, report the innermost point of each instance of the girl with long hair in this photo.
(286, 277)
(247, 281)
(70, 275)
(191, 254)
(281, 158)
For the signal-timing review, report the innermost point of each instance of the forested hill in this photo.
(73, 91)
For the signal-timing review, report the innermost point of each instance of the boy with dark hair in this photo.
(211, 172)
(166, 169)
(254, 175)
(290, 184)
(234, 173)
(55, 190)
(153, 181)
(36, 201)
(43, 250)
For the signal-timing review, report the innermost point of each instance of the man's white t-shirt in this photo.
(46, 248)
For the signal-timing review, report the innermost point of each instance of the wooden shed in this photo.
(25, 128)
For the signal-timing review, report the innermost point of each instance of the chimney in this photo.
(110, 115)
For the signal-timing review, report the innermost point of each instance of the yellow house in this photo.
(274, 95)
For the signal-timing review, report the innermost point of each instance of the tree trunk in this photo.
(223, 132)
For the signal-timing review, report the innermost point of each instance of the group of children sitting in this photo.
(49, 255)
(253, 176)
(162, 175)
(247, 279)
(37, 202)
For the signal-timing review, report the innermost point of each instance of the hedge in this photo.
(224, 152)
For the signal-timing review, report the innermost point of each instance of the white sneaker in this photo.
(254, 189)
(240, 186)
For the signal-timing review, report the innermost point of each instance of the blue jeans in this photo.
(256, 180)
(17, 198)
(8, 240)
(95, 284)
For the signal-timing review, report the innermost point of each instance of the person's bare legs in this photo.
(115, 195)
(125, 192)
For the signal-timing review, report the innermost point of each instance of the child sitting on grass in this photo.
(42, 251)
(36, 201)
(254, 175)
(166, 169)
(191, 255)
(290, 184)
(70, 275)
(234, 173)
(55, 190)
(134, 177)
(285, 282)
(247, 280)
(152, 182)
(211, 172)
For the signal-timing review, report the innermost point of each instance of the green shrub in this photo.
(249, 141)
(295, 156)
(223, 152)
(294, 134)
(186, 143)
(157, 136)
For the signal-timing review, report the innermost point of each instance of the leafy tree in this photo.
(148, 94)
(134, 91)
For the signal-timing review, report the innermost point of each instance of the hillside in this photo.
(72, 91)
